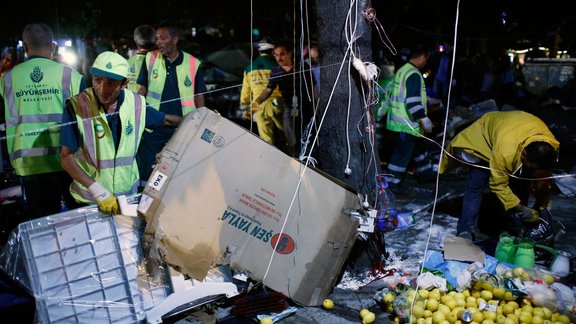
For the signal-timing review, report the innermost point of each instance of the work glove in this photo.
(107, 202)
(525, 214)
(249, 113)
(426, 124)
(255, 106)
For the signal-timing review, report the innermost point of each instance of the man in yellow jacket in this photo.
(503, 150)
(270, 113)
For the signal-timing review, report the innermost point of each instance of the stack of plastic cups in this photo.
(524, 256)
(506, 248)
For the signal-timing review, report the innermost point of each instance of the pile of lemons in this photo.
(484, 303)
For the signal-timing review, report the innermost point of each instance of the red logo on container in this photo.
(286, 244)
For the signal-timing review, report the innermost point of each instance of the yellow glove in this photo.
(107, 202)
(247, 115)
(529, 215)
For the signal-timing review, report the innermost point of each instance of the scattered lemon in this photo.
(538, 311)
(489, 315)
(508, 320)
(513, 317)
(471, 304)
(509, 296)
(444, 309)
(486, 295)
(514, 304)
(389, 297)
(452, 303)
(446, 298)
(368, 318)
(328, 304)
(536, 319)
(518, 272)
(423, 293)
(486, 285)
(525, 317)
(548, 278)
(418, 311)
(438, 317)
(563, 318)
(547, 313)
(435, 294)
(266, 320)
(390, 309)
(432, 304)
(477, 317)
(498, 292)
(460, 302)
(507, 309)
(363, 312)
(452, 317)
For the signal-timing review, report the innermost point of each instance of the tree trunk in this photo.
(346, 147)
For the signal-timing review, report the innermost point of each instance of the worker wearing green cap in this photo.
(103, 129)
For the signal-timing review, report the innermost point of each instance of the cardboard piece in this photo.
(460, 249)
(221, 195)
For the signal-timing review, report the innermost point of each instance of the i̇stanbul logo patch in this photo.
(37, 75)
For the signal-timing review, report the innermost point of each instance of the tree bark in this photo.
(346, 140)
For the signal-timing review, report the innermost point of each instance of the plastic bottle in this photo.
(387, 216)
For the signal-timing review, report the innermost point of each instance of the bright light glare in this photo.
(68, 57)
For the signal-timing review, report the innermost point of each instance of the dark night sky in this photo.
(404, 20)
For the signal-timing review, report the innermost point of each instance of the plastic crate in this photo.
(83, 266)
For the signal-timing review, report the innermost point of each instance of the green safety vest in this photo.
(134, 66)
(117, 171)
(34, 93)
(185, 72)
(399, 119)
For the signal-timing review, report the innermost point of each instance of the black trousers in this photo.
(45, 192)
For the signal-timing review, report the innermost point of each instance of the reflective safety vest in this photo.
(399, 118)
(34, 93)
(117, 170)
(134, 66)
(185, 72)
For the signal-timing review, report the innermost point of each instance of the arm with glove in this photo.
(524, 214)
(426, 125)
(106, 200)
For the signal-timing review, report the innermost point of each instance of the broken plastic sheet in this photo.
(83, 266)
